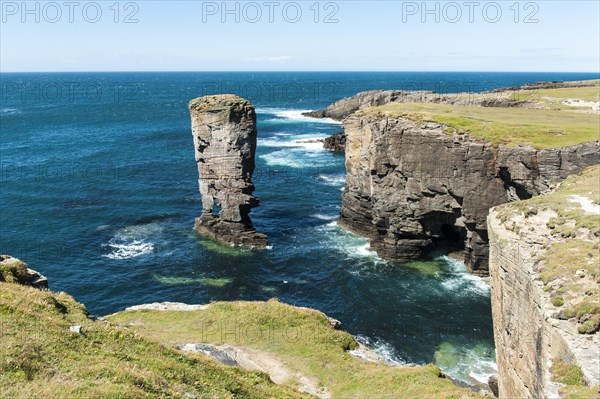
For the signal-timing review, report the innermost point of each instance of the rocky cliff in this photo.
(411, 181)
(546, 293)
(224, 131)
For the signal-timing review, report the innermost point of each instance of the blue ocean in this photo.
(99, 192)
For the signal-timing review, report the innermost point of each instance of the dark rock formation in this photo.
(410, 183)
(548, 85)
(346, 106)
(336, 142)
(493, 384)
(224, 130)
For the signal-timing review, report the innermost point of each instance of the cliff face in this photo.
(224, 131)
(545, 288)
(409, 183)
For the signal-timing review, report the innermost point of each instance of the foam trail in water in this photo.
(307, 143)
(9, 111)
(297, 158)
(463, 281)
(350, 245)
(384, 350)
(294, 115)
(132, 241)
(333, 180)
(320, 216)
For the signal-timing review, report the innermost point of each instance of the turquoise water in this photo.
(99, 193)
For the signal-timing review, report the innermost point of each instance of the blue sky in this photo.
(368, 35)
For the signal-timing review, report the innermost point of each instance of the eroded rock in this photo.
(224, 130)
(336, 142)
(409, 183)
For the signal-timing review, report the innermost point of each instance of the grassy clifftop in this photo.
(41, 358)
(550, 118)
(301, 339)
(132, 355)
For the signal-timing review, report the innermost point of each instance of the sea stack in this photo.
(224, 130)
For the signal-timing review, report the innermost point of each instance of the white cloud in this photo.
(278, 58)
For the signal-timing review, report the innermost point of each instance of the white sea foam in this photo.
(463, 281)
(9, 111)
(130, 250)
(306, 143)
(350, 245)
(283, 158)
(294, 115)
(324, 217)
(333, 180)
(133, 241)
(482, 370)
(382, 349)
(297, 158)
(475, 364)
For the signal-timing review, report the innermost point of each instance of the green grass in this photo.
(12, 270)
(558, 95)
(301, 339)
(507, 126)
(568, 374)
(40, 358)
(572, 376)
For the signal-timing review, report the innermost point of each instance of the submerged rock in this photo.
(224, 130)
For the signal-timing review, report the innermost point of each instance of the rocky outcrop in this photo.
(410, 183)
(549, 85)
(374, 98)
(224, 130)
(336, 142)
(534, 286)
(503, 98)
(13, 270)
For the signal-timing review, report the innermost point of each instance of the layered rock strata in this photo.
(545, 288)
(410, 183)
(224, 131)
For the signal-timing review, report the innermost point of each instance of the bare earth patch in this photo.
(252, 359)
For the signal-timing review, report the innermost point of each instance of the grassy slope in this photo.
(301, 339)
(542, 128)
(40, 358)
(555, 97)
